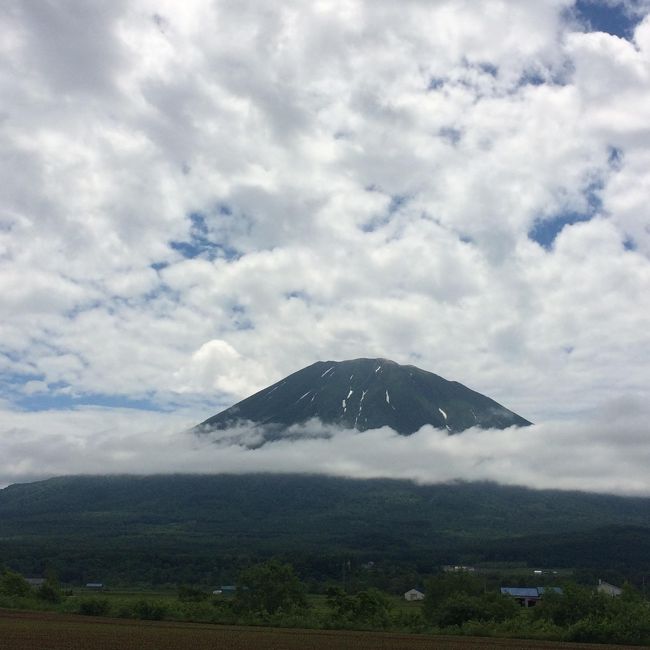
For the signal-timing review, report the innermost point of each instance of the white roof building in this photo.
(610, 590)
(413, 594)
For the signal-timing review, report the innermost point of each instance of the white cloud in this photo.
(367, 174)
(217, 366)
(607, 453)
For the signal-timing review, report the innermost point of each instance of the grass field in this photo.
(48, 631)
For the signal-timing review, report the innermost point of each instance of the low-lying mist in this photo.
(608, 452)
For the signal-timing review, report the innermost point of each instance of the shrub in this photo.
(574, 604)
(125, 610)
(13, 584)
(369, 608)
(191, 594)
(149, 610)
(461, 607)
(94, 607)
(270, 588)
(49, 593)
(410, 621)
(444, 586)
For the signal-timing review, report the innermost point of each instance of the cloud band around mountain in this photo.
(608, 453)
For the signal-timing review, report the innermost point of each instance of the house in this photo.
(35, 582)
(413, 594)
(458, 568)
(610, 590)
(95, 585)
(225, 590)
(527, 596)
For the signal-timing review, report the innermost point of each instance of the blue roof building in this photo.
(528, 596)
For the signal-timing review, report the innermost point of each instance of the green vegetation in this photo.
(268, 589)
(368, 608)
(203, 530)
(12, 584)
(354, 547)
(94, 607)
(270, 593)
(455, 598)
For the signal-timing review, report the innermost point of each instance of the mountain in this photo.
(183, 529)
(365, 394)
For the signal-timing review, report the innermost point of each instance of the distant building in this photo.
(35, 582)
(413, 594)
(527, 596)
(610, 590)
(95, 585)
(225, 590)
(457, 568)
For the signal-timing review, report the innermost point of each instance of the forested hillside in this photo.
(159, 529)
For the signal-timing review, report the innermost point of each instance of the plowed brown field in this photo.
(45, 631)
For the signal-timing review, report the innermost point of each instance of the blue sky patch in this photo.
(12, 385)
(489, 68)
(199, 243)
(450, 134)
(297, 295)
(49, 401)
(532, 78)
(544, 231)
(11, 382)
(615, 158)
(240, 320)
(397, 201)
(629, 244)
(611, 18)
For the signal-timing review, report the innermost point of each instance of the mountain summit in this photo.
(365, 394)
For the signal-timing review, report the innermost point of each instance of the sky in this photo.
(200, 198)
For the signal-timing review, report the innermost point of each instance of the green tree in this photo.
(150, 610)
(441, 587)
(369, 607)
(191, 594)
(94, 607)
(373, 608)
(572, 605)
(270, 588)
(50, 590)
(343, 605)
(630, 594)
(13, 584)
(460, 608)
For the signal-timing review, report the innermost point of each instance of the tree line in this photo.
(271, 593)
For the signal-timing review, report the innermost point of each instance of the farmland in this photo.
(49, 631)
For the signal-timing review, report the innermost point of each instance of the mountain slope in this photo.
(366, 394)
(180, 528)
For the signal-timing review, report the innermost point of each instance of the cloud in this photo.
(217, 366)
(199, 199)
(607, 453)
